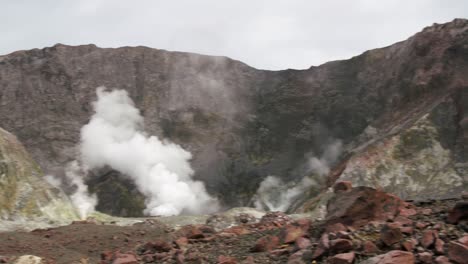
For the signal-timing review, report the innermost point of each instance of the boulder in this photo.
(428, 238)
(341, 245)
(458, 252)
(390, 234)
(458, 212)
(362, 205)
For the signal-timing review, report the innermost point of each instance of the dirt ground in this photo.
(85, 242)
(71, 244)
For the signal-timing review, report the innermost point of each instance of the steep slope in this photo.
(24, 194)
(243, 124)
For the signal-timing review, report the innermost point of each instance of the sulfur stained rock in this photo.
(24, 192)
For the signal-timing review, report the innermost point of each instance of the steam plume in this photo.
(275, 195)
(160, 169)
(81, 199)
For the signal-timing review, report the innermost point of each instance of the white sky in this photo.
(272, 34)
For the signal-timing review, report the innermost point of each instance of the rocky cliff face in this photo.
(25, 195)
(400, 112)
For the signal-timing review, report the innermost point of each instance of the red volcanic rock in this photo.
(181, 242)
(279, 252)
(442, 260)
(458, 252)
(407, 230)
(421, 225)
(428, 238)
(156, 246)
(192, 232)
(426, 211)
(425, 257)
(393, 257)
(342, 186)
(464, 240)
(458, 212)
(370, 248)
(226, 260)
(323, 246)
(304, 222)
(341, 245)
(237, 230)
(405, 212)
(362, 205)
(302, 243)
(344, 258)
(390, 234)
(439, 246)
(196, 231)
(293, 232)
(409, 245)
(318, 252)
(266, 243)
(404, 221)
(324, 241)
(303, 256)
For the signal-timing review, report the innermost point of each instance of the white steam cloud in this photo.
(81, 199)
(275, 195)
(160, 169)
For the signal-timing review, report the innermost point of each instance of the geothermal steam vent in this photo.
(160, 169)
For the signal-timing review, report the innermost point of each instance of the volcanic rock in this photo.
(266, 243)
(344, 258)
(362, 205)
(392, 257)
(458, 252)
(428, 238)
(390, 234)
(458, 212)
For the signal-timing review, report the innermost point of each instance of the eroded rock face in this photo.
(423, 155)
(242, 124)
(24, 194)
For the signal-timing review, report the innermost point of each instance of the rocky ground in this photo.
(363, 225)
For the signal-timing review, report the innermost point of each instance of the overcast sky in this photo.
(265, 34)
